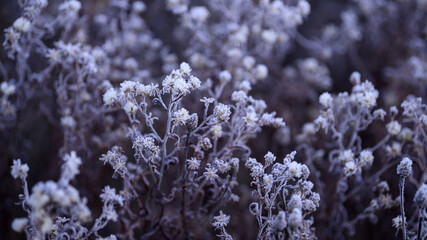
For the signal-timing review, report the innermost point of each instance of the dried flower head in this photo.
(404, 169)
(19, 170)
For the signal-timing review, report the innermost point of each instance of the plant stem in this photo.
(402, 207)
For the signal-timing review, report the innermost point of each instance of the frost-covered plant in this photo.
(344, 117)
(285, 198)
(193, 163)
(56, 210)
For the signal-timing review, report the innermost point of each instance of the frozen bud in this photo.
(379, 114)
(245, 86)
(70, 168)
(185, 68)
(294, 169)
(110, 214)
(222, 166)
(268, 119)
(239, 96)
(346, 156)
(420, 197)
(210, 173)
(305, 171)
(139, 7)
(365, 94)
(109, 195)
(151, 89)
(355, 78)
(366, 157)
(260, 106)
(225, 76)
(194, 83)
(326, 100)
(394, 149)
(7, 88)
(130, 108)
(398, 222)
(248, 62)
(295, 218)
(199, 14)
(19, 224)
(374, 204)
(368, 99)
(221, 220)
(268, 181)
(176, 84)
(251, 118)
(19, 170)
(192, 122)
(410, 106)
(234, 198)
(193, 163)
(234, 162)
(278, 170)
(269, 158)
(350, 168)
(22, 24)
(280, 222)
(321, 122)
(308, 205)
(393, 127)
(261, 71)
(315, 198)
(306, 186)
(222, 112)
(250, 162)
(207, 101)
(128, 87)
(289, 157)
(294, 202)
(205, 144)
(181, 116)
(393, 111)
(257, 170)
(142, 89)
(404, 169)
(147, 144)
(216, 131)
